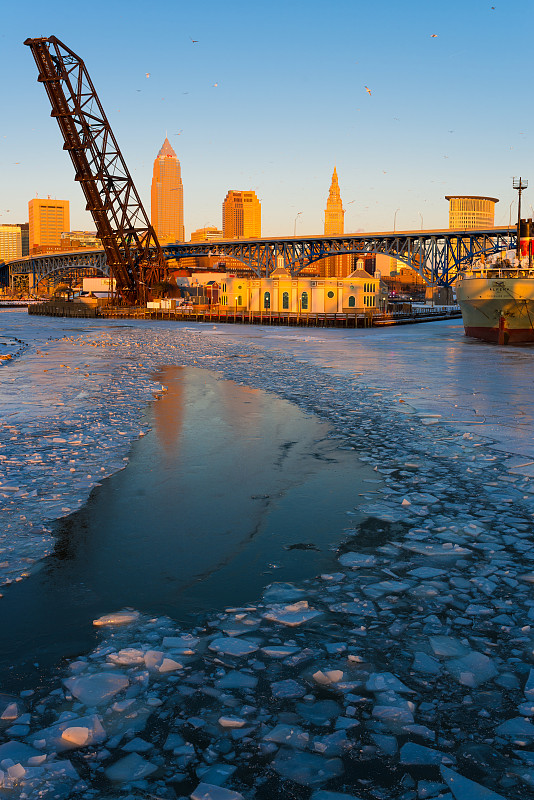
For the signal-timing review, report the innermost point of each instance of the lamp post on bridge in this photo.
(421, 220)
(295, 225)
(395, 220)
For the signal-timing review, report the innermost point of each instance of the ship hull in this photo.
(499, 310)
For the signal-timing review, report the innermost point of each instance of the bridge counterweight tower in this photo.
(132, 250)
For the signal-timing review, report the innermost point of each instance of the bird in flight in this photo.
(215, 84)
(367, 89)
(433, 35)
(147, 74)
(195, 41)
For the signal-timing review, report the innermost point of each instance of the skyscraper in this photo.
(10, 242)
(167, 196)
(334, 214)
(471, 211)
(48, 219)
(241, 214)
(334, 225)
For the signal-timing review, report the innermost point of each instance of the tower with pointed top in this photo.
(334, 214)
(334, 225)
(167, 196)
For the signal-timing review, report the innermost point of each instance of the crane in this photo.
(133, 253)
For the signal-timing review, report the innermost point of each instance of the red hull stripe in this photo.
(511, 335)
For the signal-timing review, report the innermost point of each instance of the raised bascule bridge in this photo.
(131, 252)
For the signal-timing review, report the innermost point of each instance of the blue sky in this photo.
(446, 115)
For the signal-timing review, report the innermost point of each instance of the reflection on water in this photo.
(200, 518)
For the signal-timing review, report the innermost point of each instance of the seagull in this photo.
(433, 35)
(179, 132)
(367, 89)
(195, 41)
(147, 74)
(215, 84)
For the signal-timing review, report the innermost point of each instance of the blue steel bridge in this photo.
(436, 255)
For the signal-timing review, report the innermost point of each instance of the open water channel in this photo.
(217, 501)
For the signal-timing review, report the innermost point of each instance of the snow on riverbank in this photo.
(408, 668)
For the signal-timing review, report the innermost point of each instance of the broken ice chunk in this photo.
(320, 712)
(209, 791)
(328, 677)
(386, 681)
(18, 752)
(448, 647)
(236, 680)
(287, 689)
(81, 731)
(229, 646)
(418, 754)
(118, 618)
(229, 721)
(128, 657)
(466, 789)
(425, 664)
(307, 769)
(290, 735)
(518, 726)
(97, 688)
(132, 767)
(472, 670)
(291, 615)
(357, 560)
(282, 593)
(184, 645)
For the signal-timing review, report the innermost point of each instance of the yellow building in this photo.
(48, 220)
(467, 212)
(241, 214)
(10, 242)
(167, 196)
(358, 292)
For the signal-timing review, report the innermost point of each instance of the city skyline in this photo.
(406, 145)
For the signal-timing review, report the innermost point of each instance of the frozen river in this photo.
(404, 670)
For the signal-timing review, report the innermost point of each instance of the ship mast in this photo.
(519, 184)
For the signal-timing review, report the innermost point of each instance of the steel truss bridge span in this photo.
(53, 265)
(437, 255)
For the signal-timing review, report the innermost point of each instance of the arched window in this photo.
(239, 301)
(304, 301)
(352, 301)
(267, 300)
(285, 300)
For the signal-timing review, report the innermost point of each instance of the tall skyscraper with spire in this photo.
(334, 225)
(334, 214)
(167, 196)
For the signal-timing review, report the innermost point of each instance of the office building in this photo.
(209, 234)
(167, 197)
(334, 225)
(47, 221)
(77, 240)
(241, 214)
(25, 237)
(469, 211)
(10, 242)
